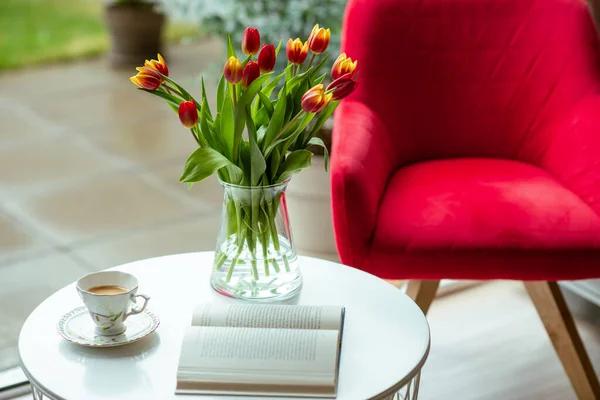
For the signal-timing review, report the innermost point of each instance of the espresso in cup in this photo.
(110, 297)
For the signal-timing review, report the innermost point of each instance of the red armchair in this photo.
(471, 150)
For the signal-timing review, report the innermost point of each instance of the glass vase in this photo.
(255, 257)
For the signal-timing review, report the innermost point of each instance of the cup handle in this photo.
(138, 310)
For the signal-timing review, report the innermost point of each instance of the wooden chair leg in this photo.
(557, 319)
(422, 292)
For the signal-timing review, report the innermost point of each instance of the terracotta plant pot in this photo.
(135, 33)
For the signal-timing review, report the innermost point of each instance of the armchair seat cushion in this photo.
(483, 219)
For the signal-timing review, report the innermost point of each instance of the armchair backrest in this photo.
(470, 78)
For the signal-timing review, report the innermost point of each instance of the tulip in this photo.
(251, 72)
(251, 41)
(146, 78)
(188, 114)
(233, 70)
(342, 86)
(315, 99)
(158, 66)
(343, 65)
(319, 39)
(266, 58)
(296, 51)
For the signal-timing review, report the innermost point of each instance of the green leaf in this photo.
(260, 134)
(317, 69)
(320, 79)
(261, 120)
(184, 92)
(274, 164)
(205, 100)
(220, 93)
(166, 96)
(258, 165)
(317, 141)
(245, 162)
(285, 136)
(277, 119)
(324, 116)
(230, 48)
(227, 126)
(268, 89)
(202, 163)
(266, 102)
(297, 132)
(240, 109)
(278, 48)
(206, 129)
(249, 93)
(294, 163)
(293, 83)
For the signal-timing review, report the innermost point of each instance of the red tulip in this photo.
(343, 86)
(188, 114)
(266, 58)
(251, 72)
(342, 66)
(319, 39)
(315, 99)
(158, 66)
(251, 41)
(233, 70)
(146, 78)
(296, 51)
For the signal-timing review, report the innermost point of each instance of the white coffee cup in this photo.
(109, 311)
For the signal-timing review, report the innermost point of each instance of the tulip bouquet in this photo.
(256, 139)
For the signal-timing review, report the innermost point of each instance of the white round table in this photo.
(386, 336)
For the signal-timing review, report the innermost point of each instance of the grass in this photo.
(41, 31)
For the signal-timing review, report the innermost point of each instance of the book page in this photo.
(268, 316)
(250, 359)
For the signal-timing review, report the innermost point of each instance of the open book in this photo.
(261, 350)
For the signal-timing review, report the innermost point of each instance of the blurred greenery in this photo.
(39, 31)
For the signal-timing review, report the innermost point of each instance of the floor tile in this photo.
(17, 240)
(99, 207)
(21, 124)
(42, 163)
(198, 233)
(147, 141)
(207, 194)
(25, 285)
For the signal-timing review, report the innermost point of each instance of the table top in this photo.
(386, 336)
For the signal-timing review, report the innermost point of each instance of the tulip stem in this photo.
(234, 94)
(312, 58)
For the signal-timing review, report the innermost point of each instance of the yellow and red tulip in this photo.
(266, 58)
(233, 70)
(251, 41)
(251, 72)
(158, 66)
(146, 78)
(319, 39)
(343, 65)
(296, 51)
(342, 86)
(315, 99)
(188, 114)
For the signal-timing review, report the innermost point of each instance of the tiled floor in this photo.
(89, 170)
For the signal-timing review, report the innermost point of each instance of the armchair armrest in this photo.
(573, 152)
(363, 158)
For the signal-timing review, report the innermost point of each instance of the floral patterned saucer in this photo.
(77, 327)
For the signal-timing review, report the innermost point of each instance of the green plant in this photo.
(253, 138)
